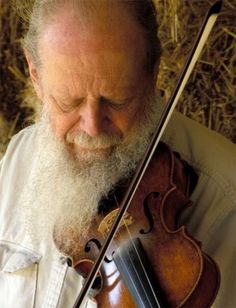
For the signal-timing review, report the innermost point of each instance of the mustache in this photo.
(99, 142)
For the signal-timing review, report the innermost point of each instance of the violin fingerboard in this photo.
(136, 273)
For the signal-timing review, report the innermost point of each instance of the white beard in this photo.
(64, 192)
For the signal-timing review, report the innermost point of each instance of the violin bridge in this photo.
(107, 222)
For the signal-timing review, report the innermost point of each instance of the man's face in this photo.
(92, 80)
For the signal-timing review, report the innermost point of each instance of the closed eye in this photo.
(66, 106)
(118, 104)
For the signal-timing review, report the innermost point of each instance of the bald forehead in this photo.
(106, 25)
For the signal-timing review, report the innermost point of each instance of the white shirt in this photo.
(40, 277)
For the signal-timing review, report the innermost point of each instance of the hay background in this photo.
(209, 97)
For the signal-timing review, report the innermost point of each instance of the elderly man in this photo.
(94, 65)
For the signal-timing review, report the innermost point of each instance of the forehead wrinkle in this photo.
(82, 69)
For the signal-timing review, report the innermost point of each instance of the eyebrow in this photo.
(76, 101)
(123, 100)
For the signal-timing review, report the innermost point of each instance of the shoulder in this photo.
(19, 151)
(25, 135)
(21, 140)
(207, 151)
(197, 142)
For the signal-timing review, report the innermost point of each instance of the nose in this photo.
(92, 117)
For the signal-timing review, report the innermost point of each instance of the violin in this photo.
(138, 255)
(152, 262)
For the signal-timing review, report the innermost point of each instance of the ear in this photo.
(34, 76)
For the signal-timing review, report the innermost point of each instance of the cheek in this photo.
(61, 124)
(124, 121)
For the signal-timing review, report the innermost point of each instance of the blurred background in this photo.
(209, 97)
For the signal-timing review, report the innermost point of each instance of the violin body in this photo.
(152, 262)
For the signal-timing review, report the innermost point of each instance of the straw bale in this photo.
(209, 96)
(4, 134)
(12, 75)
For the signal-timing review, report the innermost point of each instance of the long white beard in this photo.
(64, 192)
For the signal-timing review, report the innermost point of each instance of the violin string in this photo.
(138, 258)
(122, 260)
(131, 278)
(124, 265)
(142, 265)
